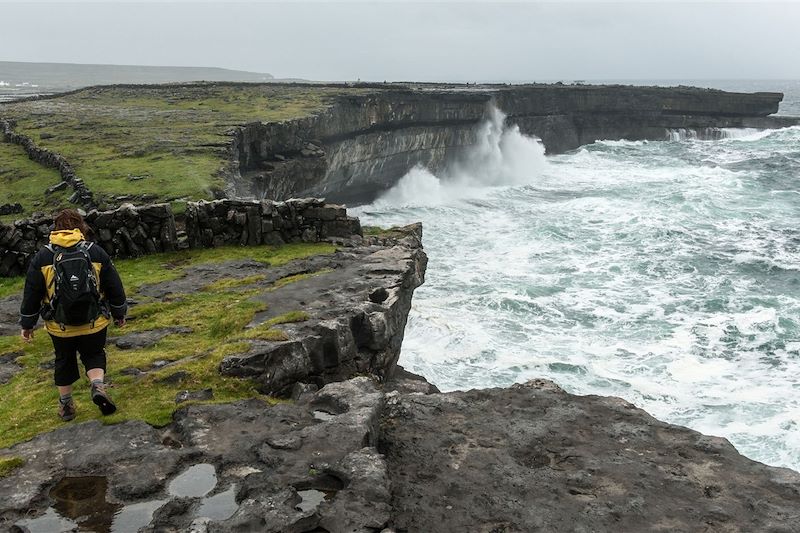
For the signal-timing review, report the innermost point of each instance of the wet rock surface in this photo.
(534, 458)
(245, 466)
(354, 457)
(145, 339)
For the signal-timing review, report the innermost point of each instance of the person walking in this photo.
(73, 285)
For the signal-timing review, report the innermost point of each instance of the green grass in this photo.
(377, 231)
(175, 138)
(9, 286)
(298, 277)
(8, 464)
(168, 266)
(217, 314)
(23, 181)
(267, 331)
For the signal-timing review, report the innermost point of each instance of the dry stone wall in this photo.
(226, 222)
(131, 231)
(82, 195)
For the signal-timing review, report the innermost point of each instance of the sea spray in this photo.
(501, 156)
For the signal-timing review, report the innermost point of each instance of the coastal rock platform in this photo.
(356, 456)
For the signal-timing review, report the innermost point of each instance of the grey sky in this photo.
(412, 41)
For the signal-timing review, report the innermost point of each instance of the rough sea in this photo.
(666, 273)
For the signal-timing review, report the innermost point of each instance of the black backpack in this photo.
(76, 298)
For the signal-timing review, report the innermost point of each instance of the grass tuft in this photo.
(8, 464)
(267, 331)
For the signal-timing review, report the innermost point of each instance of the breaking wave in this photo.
(501, 156)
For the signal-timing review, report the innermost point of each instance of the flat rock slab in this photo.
(534, 458)
(8, 366)
(271, 459)
(9, 315)
(146, 339)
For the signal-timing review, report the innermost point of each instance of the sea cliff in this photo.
(363, 144)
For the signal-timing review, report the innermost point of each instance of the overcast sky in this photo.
(441, 41)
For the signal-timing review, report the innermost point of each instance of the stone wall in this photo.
(131, 231)
(225, 222)
(82, 195)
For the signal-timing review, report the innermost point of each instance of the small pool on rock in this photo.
(80, 503)
(323, 415)
(311, 498)
(195, 482)
(220, 506)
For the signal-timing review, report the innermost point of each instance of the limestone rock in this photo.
(532, 457)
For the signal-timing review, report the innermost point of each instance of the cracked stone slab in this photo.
(146, 339)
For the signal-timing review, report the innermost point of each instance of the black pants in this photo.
(92, 350)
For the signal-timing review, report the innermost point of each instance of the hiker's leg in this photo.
(65, 368)
(93, 354)
(65, 373)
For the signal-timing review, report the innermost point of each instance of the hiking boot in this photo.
(101, 398)
(66, 410)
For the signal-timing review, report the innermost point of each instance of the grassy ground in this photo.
(23, 181)
(173, 138)
(216, 313)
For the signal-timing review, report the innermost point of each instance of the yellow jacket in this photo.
(40, 287)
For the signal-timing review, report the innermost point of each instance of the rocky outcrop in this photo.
(534, 458)
(355, 305)
(352, 457)
(362, 445)
(364, 143)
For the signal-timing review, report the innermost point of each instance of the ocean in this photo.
(666, 273)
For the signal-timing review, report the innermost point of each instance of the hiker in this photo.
(75, 288)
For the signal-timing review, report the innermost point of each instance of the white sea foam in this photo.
(664, 273)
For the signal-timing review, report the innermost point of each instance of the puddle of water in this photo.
(83, 499)
(220, 506)
(195, 482)
(311, 498)
(322, 415)
(135, 516)
(80, 503)
(49, 522)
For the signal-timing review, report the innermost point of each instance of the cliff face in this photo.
(363, 144)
